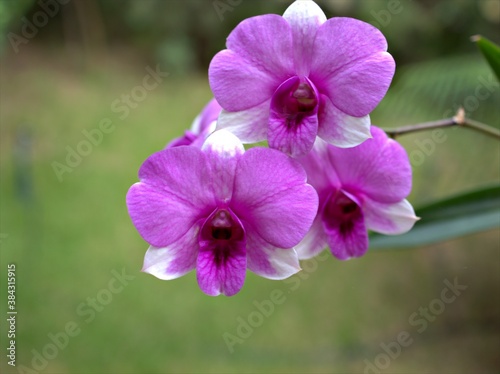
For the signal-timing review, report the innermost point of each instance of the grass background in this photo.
(67, 237)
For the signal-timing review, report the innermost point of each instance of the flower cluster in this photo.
(306, 85)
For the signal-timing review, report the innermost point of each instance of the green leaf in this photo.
(450, 218)
(490, 51)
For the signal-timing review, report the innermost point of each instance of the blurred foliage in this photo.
(490, 51)
(449, 218)
(185, 34)
(450, 83)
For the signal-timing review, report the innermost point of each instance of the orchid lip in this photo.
(340, 209)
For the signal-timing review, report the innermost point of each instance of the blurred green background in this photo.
(68, 235)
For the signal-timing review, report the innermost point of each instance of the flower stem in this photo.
(458, 120)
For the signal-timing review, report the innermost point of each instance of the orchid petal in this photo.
(259, 57)
(389, 219)
(271, 195)
(358, 88)
(314, 242)
(160, 206)
(378, 168)
(268, 261)
(341, 41)
(250, 125)
(175, 260)
(222, 150)
(293, 137)
(340, 129)
(304, 17)
(348, 241)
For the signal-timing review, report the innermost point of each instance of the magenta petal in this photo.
(320, 173)
(378, 168)
(293, 122)
(174, 260)
(314, 242)
(343, 223)
(304, 17)
(221, 264)
(266, 42)
(209, 114)
(160, 206)
(225, 278)
(237, 84)
(348, 243)
(358, 87)
(340, 129)
(389, 219)
(250, 125)
(341, 41)
(259, 57)
(271, 195)
(268, 261)
(294, 137)
(222, 150)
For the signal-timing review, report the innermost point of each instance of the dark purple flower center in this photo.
(222, 226)
(223, 230)
(295, 98)
(340, 212)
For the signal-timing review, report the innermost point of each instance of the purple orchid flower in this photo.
(289, 79)
(361, 188)
(202, 126)
(221, 210)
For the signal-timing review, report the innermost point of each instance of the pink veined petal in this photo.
(221, 272)
(389, 219)
(221, 264)
(293, 123)
(222, 150)
(357, 88)
(341, 41)
(237, 84)
(304, 17)
(259, 57)
(200, 139)
(348, 241)
(340, 129)
(271, 195)
(378, 168)
(293, 138)
(187, 139)
(320, 173)
(268, 261)
(175, 260)
(314, 242)
(160, 206)
(250, 125)
(266, 42)
(208, 115)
